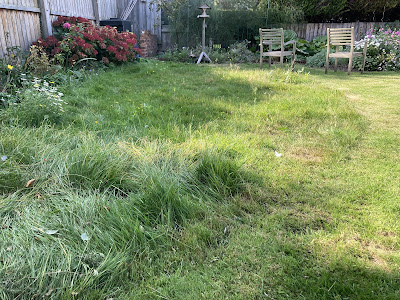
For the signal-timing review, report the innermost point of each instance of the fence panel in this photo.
(108, 9)
(311, 30)
(18, 27)
(77, 8)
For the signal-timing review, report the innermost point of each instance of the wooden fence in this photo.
(24, 21)
(311, 30)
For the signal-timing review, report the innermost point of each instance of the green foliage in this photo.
(281, 12)
(37, 102)
(11, 68)
(227, 23)
(311, 48)
(373, 60)
(319, 10)
(318, 60)
(236, 53)
(367, 8)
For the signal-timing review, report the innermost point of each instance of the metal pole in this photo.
(204, 35)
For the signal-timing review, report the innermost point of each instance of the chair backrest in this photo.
(271, 36)
(340, 36)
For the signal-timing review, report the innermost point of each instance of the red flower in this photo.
(111, 49)
(81, 38)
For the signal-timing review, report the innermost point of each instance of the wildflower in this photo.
(4, 158)
(10, 67)
(96, 122)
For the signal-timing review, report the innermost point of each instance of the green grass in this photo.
(170, 170)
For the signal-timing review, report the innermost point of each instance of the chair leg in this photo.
(269, 57)
(363, 65)
(336, 64)
(327, 62)
(292, 64)
(281, 61)
(261, 56)
(350, 65)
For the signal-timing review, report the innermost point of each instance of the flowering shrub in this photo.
(76, 38)
(383, 53)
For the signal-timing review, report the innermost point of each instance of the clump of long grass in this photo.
(95, 207)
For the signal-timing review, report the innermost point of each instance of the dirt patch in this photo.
(310, 155)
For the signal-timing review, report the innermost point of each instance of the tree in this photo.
(371, 8)
(323, 10)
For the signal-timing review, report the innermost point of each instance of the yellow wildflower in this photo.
(10, 67)
(96, 122)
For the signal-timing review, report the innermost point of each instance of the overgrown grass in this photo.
(166, 181)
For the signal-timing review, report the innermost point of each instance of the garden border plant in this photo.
(76, 38)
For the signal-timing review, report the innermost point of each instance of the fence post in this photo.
(45, 18)
(95, 4)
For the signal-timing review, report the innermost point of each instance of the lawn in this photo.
(178, 181)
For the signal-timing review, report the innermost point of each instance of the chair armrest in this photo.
(360, 42)
(290, 42)
(365, 42)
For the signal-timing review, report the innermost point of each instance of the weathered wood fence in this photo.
(311, 30)
(24, 21)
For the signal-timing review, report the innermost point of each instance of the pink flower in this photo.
(67, 26)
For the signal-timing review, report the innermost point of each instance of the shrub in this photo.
(383, 52)
(75, 39)
(318, 60)
(235, 53)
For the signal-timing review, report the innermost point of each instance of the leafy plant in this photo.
(311, 48)
(318, 60)
(36, 103)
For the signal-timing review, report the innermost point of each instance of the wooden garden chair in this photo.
(343, 37)
(271, 37)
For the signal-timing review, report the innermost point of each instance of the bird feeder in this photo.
(204, 16)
